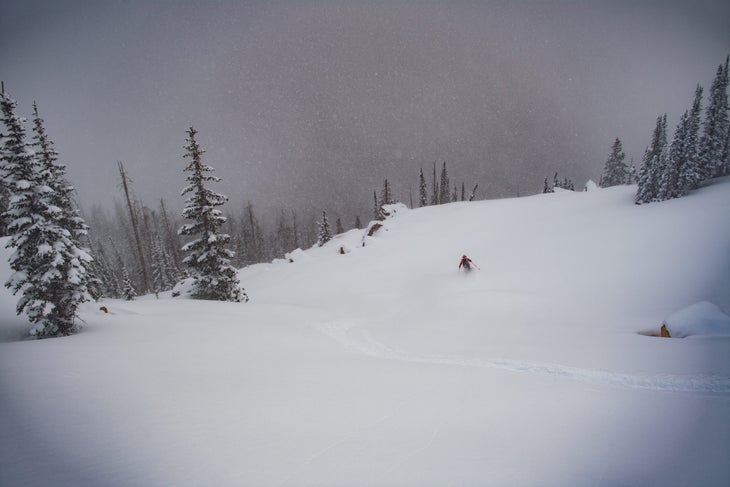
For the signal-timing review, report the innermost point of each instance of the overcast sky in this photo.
(310, 105)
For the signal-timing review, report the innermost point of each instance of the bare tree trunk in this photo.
(135, 230)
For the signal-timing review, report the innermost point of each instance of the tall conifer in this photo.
(614, 171)
(650, 172)
(50, 270)
(208, 259)
(422, 190)
(716, 126)
(325, 233)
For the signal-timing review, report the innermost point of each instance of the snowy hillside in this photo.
(384, 365)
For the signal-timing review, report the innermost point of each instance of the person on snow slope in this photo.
(466, 263)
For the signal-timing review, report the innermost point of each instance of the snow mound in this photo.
(699, 319)
(395, 208)
(591, 186)
(296, 255)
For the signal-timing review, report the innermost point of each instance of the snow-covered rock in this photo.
(699, 319)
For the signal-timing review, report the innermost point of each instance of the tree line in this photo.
(698, 151)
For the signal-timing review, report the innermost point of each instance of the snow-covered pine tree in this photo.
(546, 187)
(164, 275)
(208, 259)
(62, 196)
(716, 126)
(690, 172)
(422, 190)
(444, 185)
(436, 190)
(338, 226)
(671, 161)
(651, 172)
(358, 224)
(128, 291)
(325, 234)
(4, 199)
(631, 173)
(386, 196)
(61, 191)
(614, 171)
(108, 283)
(377, 209)
(50, 271)
(725, 165)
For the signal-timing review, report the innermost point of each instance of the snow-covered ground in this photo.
(384, 366)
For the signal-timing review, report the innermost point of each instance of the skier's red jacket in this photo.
(466, 262)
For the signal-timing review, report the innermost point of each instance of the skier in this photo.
(466, 262)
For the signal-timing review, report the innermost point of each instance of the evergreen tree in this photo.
(128, 291)
(444, 185)
(61, 194)
(690, 172)
(463, 191)
(386, 196)
(377, 209)
(436, 190)
(681, 171)
(339, 227)
(724, 169)
(716, 126)
(325, 234)
(50, 271)
(671, 162)
(631, 173)
(295, 231)
(164, 276)
(109, 285)
(546, 187)
(614, 171)
(651, 172)
(358, 224)
(4, 200)
(208, 260)
(422, 190)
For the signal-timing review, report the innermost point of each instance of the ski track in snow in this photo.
(341, 332)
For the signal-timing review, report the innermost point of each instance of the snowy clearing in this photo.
(383, 365)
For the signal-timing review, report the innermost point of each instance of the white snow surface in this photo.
(385, 366)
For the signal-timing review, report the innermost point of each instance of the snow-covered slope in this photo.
(386, 366)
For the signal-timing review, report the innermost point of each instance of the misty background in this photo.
(309, 105)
